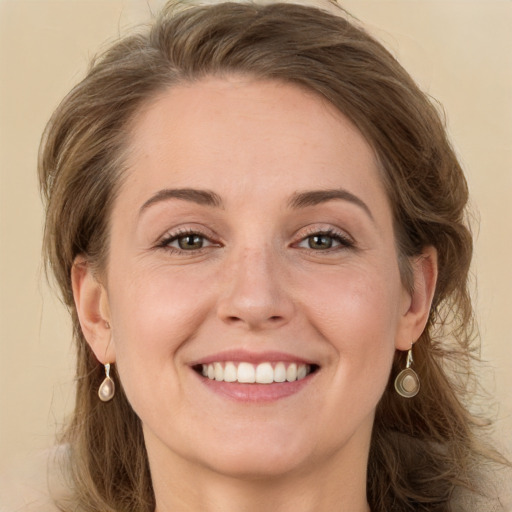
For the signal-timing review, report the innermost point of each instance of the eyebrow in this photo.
(297, 201)
(315, 197)
(202, 197)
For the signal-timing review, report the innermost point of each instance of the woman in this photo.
(259, 227)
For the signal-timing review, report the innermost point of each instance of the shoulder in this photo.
(31, 483)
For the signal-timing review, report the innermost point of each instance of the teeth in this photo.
(218, 371)
(301, 371)
(246, 373)
(230, 372)
(280, 372)
(291, 373)
(263, 373)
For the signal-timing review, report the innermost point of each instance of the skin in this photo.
(258, 283)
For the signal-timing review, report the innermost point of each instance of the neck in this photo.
(326, 487)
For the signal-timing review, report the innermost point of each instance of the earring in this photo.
(108, 388)
(407, 382)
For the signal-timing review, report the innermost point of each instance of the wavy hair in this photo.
(423, 449)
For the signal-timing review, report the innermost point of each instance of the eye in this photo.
(185, 242)
(190, 242)
(325, 240)
(320, 242)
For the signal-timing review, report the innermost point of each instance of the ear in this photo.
(91, 301)
(416, 304)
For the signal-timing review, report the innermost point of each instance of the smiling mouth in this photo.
(248, 373)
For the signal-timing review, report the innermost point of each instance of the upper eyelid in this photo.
(300, 234)
(343, 241)
(175, 233)
(327, 230)
(177, 236)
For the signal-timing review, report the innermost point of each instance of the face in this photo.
(252, 240)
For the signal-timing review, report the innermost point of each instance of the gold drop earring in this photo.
(107, 388)
(407, 382)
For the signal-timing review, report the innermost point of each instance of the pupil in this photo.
(320, 242)
(191, 242)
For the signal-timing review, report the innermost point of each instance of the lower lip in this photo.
(256, 392)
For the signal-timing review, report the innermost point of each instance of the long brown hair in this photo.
(422, 449)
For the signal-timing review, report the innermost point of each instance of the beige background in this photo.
(459, 51)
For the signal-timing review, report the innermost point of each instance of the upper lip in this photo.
(238, 355)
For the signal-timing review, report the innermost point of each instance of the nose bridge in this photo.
(255, 294)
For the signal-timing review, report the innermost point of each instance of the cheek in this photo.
(155, 304)
(152, 317)
(359, 316)
(351, 305)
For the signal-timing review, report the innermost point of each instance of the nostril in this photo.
(271, 320)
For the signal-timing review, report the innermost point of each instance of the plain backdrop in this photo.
(460, 51)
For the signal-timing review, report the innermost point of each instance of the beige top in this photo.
(26, 488)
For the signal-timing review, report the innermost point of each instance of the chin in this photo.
(258, 464)
(259, 454)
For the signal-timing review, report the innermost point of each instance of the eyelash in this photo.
(344, 241)
(173, 237)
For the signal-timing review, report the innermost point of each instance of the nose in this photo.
(255, 294)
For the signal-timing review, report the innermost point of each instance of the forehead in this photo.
(235, 132)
